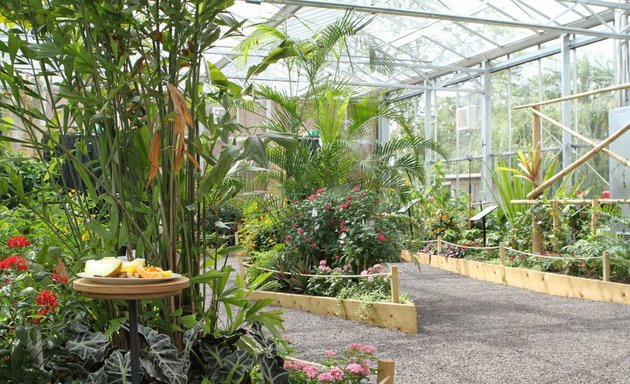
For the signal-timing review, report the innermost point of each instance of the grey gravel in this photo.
(472, 331)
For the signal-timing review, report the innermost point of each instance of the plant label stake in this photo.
(482, 216)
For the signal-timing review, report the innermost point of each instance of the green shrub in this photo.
(342, 229)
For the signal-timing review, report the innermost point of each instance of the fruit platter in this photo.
(112, 270)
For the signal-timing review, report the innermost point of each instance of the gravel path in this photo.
(477, 332)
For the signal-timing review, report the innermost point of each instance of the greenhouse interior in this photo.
(313, 191)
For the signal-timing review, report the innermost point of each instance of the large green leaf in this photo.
(164, 356)
(89, 346)
(117, 368)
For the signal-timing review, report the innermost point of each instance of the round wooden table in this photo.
(132, 293)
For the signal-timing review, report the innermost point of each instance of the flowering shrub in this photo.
(34, 306)
(342, 229)
(353, 366)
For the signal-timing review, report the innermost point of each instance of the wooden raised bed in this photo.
(402, 317)
(545, 282)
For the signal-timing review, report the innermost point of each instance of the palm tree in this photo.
(332, 122)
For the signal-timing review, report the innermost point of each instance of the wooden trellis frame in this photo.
(539, 186)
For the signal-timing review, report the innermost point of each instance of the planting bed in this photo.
(550, 283)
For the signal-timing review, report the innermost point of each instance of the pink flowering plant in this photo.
(352, 366)
(343, 227)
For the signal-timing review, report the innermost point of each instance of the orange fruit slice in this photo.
(149, 272)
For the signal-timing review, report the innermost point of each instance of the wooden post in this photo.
(594, 215)
(588, 155)
(395, 294)
(385, 373)
(606, 266)
(556, 215)
(439, 241)
(241, 269)
(502, 252)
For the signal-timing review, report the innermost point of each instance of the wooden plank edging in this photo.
(403, 317)
(545, 282)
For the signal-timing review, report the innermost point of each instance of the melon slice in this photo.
(106, 267)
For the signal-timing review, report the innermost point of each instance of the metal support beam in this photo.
(598, 3)
(428, 129)
(448, 17)
(566, 105)
(486, 133)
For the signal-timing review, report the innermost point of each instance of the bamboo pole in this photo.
(556, 215)
(502, 252)
(536, 234)
(385, 372)
(594, 215)
(576, 96)
(395, 292)
(610, 153)
(536, 145)
(606, 266)
(573, 201)
(539, 189)
(439, 245)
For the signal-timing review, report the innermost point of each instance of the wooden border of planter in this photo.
(403, 317)
(545, 282)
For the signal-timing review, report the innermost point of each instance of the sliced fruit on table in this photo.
(105, 267)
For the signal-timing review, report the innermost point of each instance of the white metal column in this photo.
(486, 133)
(428, 128)
(565, 53)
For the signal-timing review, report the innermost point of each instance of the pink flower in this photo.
(336, 373)
(300, 230)
(326, 376)
(321, 190)
(328, 206)
(349, 198)
(364, 273)
(381, 237)
(357, 188)
(369, 349)
(311, 371)
(355, 346)
(358, 369)
(337, 257)
(313, 245)
(294, 225)
(330, 354)
(287, 239)
(296, 202)
(346, 267)
(344, 228)
(322, 262)
(344, 205)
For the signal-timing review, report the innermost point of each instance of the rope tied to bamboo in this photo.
(470, 246)
(312, 275)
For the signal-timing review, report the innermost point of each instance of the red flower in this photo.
(314, 245)
(344, 228)
(349, 198)
(41, 313)
(287, 239)
(381, 237)
(47, 299)
(328, 206)
(344, 205)
(18, 242)
(511, 258)
(61, 279)
(18, 261)
(320, 190)
(300, 230)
